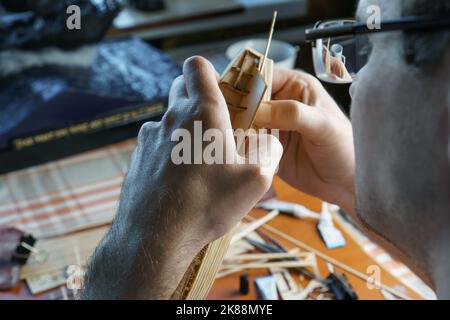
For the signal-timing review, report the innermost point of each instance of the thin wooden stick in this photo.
(268, 265)
(230, 271)
(269, 41)
(257, 223)
(268, 256)
(336, 263)
(239, 269)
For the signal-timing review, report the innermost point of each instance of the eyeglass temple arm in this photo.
(406, 23)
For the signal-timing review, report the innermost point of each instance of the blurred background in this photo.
(65, 90)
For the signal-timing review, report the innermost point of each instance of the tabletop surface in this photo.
(352, 254)
(227, 288)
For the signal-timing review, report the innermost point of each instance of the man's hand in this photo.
(168, 212)
(316, 135)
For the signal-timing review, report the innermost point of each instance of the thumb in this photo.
(292, 115)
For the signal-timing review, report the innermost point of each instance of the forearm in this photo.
(130, 264)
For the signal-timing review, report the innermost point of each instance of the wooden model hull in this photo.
(244, 87)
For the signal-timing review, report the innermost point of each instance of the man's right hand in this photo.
(316, 135)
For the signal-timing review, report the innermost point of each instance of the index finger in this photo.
(284, 77)
(201, 78)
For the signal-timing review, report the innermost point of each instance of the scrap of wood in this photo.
(257, 223)
(268, 265)
(312, 285)
(233, 270)
(315, 267)
(270, 256)
(238, 248)
(287, 287)
(329, 259)
(307, 260)
(230, 271)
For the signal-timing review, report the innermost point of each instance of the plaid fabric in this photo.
(395, 268)
(65, 195)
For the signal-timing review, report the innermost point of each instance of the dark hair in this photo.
(426, 48)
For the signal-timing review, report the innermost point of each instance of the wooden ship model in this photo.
(245, 85)
(246, 82)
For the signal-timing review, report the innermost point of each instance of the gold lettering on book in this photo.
(86, 127)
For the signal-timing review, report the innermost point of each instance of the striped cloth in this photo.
(395, 268)
(66, 195)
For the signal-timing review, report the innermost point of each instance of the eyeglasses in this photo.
(340, 48)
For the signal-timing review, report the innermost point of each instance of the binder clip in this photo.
(339, 285)
(244, 284)
(25, 251)
(16, 247)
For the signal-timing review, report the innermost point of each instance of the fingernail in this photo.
(264, 114)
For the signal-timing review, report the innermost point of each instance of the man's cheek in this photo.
(366, 116)
(367, 105)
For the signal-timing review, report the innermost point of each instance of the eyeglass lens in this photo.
(338, 60)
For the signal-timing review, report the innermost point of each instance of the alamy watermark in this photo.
(73, 21)
(374, 18)
(213, 146)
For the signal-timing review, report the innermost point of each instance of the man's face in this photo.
(395, 140)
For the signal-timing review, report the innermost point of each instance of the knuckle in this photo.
(328, 127)
(212, 99)
(174, 92)
(306, 79)
(263, 182)
(145, 131)
(178, 81)
(293, 112)
(206, 100)
(169, 117)
(207, 107)
(257, 179)
(253, 173)
(145, 128)
(314, 81)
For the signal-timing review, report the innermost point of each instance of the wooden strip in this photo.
(253, 226)
(268, 265)
(331, 260)
(269, 256)
(239, 269)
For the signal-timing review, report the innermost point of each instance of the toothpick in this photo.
(272, 27)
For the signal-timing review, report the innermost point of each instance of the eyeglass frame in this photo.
(401, 24)
(353, 28)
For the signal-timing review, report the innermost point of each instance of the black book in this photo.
(55, 111)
